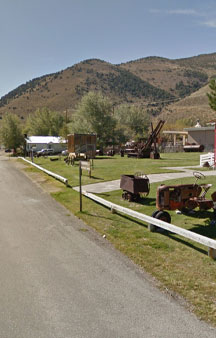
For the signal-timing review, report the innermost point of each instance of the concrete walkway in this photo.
(115, 185)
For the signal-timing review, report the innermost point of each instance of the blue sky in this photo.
(39, 37)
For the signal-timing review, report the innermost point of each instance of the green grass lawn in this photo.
(179, 264)
(111, 168)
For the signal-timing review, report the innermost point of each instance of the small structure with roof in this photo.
(199, 135)
(36, 143)
(174, 134)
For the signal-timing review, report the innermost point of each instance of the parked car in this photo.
(65, 152)
(45, 152)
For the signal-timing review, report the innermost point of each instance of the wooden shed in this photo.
(82, 143)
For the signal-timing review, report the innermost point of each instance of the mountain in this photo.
(164, 86)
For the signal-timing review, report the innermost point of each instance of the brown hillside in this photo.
(165, 73)
(159, 72)
(63, 90)
(179, 86)
(192, 107)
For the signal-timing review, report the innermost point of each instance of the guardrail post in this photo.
(151, 227)
(80, 185)
(157, 224)
(113, 211)
(212, 253)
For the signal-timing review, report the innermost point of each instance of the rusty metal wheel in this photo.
(151, 226)
(124, 195)
(191, 204)
(163, 216)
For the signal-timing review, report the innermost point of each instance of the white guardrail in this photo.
(209, 158)
(50, 173)
(210, 243)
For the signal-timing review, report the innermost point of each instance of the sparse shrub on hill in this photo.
(186, 90)
(201, 77)
(180, 124)
(125, 82)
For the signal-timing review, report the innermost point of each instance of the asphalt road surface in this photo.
(58, 281)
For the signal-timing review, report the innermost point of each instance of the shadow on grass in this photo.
(205, 230)
(169, 235)
(102, 194)
(147, 201)
(199, 214)
(166, 234)
(105, 158)
(97, 178)
(98, 216)
(201, 230)
(182, 241)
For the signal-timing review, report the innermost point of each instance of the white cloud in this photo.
(209, 17)
(210, 23)
(184, 12)
(177, 12)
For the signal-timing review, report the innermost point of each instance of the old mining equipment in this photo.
(183, 197)
(148, 149)
(134, 186)
(188, 148)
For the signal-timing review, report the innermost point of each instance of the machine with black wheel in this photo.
(182, 197)
(134, 186)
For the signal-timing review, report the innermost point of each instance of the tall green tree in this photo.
(94, 114)
(11, 131)
(212, 95)
(44, 122)
(134, 121)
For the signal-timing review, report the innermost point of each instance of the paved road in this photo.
(58, 281)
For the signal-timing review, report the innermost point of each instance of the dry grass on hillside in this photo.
(195, 106)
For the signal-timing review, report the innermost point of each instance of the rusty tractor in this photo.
(183, 197)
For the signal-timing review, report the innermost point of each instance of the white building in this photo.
(46, 142)
(202, 135)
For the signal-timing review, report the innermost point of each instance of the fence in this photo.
(170, 148)
(50, 173)
(207, 158)
(210, 243)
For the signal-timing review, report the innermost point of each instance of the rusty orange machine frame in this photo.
(82, 143)
(183, 196)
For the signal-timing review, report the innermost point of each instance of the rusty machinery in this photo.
(148, 149)
(134, 186)
(183, 197)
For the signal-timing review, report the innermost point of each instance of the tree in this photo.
(133, 120)
(94, 115)
(212, 95)
(64, 131)
(11, 131)
(44, 122)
